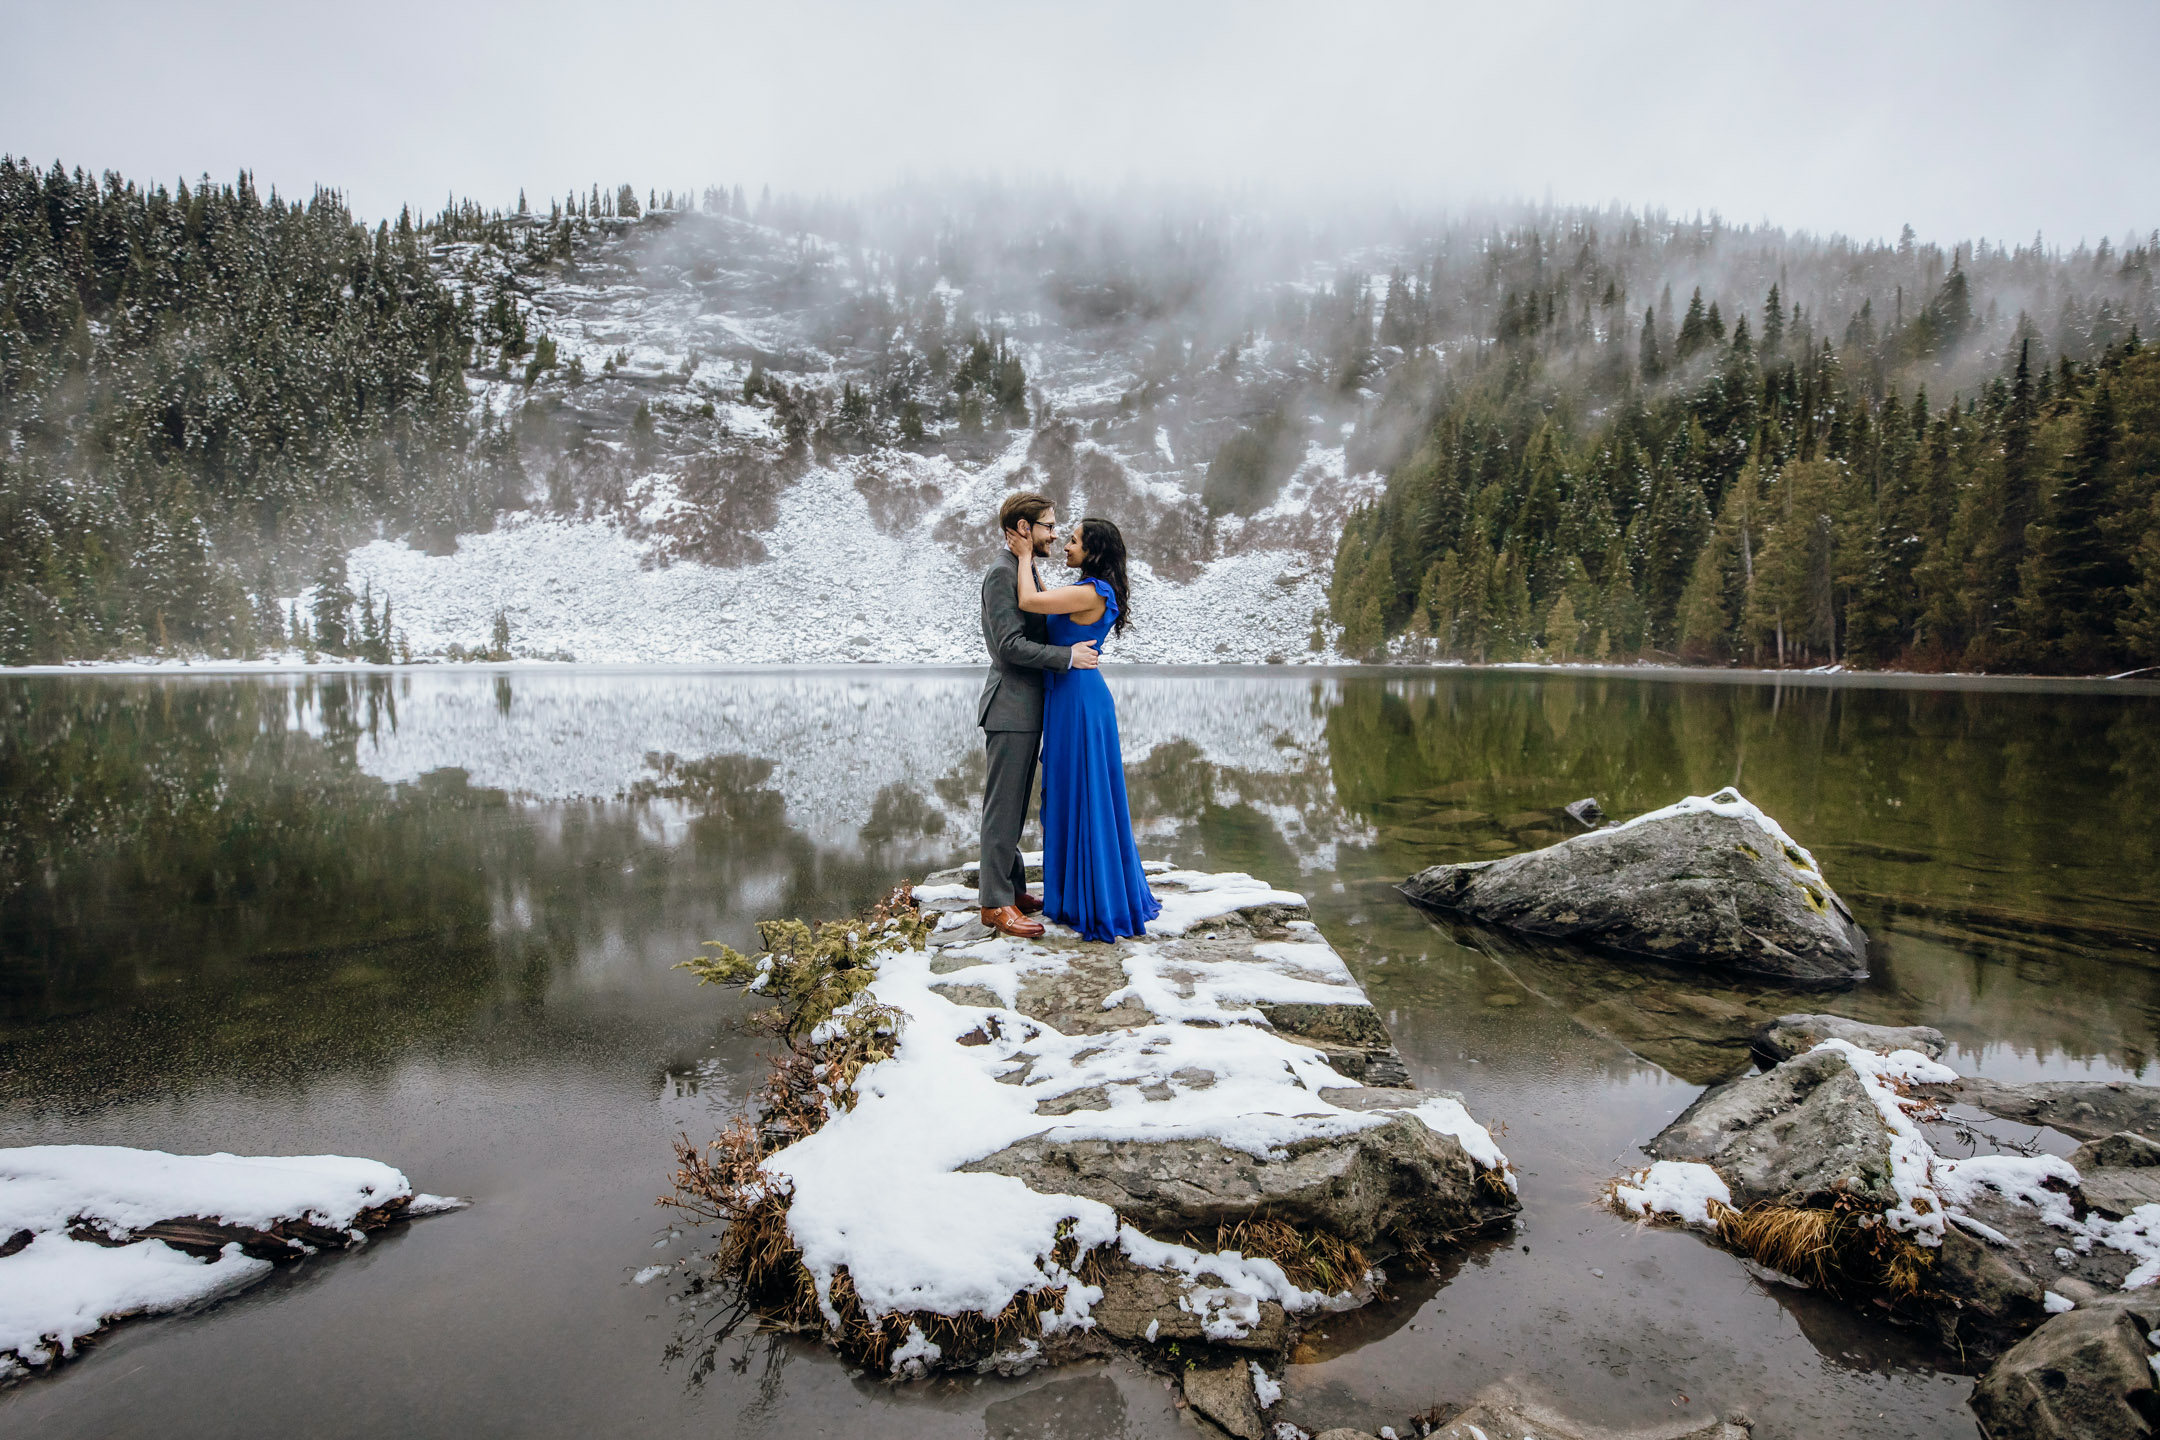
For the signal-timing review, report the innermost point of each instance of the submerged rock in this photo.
(1500, 1412)
(2084, 1375)
(1708, 881)
(1791, 1035)
(2081, 1109)
(1681, 1018)
(1225, 1394)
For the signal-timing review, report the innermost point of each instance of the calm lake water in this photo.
(431, 918)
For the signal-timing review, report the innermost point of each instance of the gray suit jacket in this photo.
(1012, 698)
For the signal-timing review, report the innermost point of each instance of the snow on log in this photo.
(90, 1234)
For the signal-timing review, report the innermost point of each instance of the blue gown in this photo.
(1092, 880)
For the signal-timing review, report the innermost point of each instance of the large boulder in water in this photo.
(1791, 1035)
(2084, 1375)
(1710, 881)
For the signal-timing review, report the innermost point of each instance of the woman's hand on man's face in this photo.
(1021, 542)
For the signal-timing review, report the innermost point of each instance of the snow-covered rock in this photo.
(1710, 880)
(90, 1234)
(1843, 1128)
(1121, 1095)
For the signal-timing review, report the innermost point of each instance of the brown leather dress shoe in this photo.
(1007, 920)
(1027, 904)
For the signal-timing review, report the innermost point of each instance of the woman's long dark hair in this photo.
(1102, 557)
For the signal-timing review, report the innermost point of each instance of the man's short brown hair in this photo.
(1027, 506)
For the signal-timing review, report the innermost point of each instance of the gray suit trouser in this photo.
(1006, 788)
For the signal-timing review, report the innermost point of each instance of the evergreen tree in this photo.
(1562, 630)
(1646, 350)
(2074, 577)
(2140, 623)
(1694, 330)
(2002, 506)
(332, 607)
(1703, 623)
(1622, 620)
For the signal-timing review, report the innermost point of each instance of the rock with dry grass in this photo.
(1710, 880)
(1858, 1172)
(988, 1153)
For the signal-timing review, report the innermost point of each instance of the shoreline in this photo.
(2136, 682)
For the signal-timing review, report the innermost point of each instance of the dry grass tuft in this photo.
(1788, 1239)
(1312, 1259)
(1836, 1249)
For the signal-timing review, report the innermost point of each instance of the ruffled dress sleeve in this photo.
(1109, 595)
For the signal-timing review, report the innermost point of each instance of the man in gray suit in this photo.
(1011, 715)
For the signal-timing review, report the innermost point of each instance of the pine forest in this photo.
(1604, 434)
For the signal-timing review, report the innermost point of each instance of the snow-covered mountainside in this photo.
(756, 445)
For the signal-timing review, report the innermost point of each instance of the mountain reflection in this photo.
(329, 867)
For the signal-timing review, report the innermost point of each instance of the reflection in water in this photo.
(1088, 1407)
(430, 916)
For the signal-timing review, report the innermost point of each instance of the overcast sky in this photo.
(1965, 120)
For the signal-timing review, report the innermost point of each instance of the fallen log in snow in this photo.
(92, 1234)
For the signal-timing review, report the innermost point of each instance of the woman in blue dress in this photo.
(1092, 880)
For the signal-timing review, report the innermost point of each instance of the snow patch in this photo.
(1682, 1189)
(1731, 804)
(58, 1289)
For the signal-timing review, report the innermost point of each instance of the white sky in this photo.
(1964, 119)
